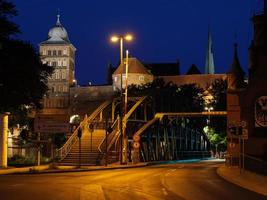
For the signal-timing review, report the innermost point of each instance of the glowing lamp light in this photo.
(128, 37)
(114, 39)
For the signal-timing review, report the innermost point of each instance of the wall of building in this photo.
(200, 79)
(133, 79)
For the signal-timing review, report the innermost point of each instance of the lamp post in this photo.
(123, 149)
(209, 109)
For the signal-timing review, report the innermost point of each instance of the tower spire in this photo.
(264, 6)
(209, 66)
(236, 73)
(58, 18)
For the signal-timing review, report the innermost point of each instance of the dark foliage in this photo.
(23, 78)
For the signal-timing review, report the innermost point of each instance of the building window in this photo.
(54, 64)
(59, 63)
(59, 52)
(60, 88)
(115, 79)
(54, 52)
(141, 78)
(43, 53)
(65, 52)
(49, 52)
(65, 89)
(57, 74)
(64, 63)
(63, 75)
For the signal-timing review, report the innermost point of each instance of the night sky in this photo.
(164, 30)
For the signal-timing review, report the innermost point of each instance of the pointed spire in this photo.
(236, 73)
(264, 6)
(236, 67)
(209, 66)
(58, 20)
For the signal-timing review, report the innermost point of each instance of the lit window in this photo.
(65, 89)
(57, 74)
(63, 74)
(64, 63)
(141, 78)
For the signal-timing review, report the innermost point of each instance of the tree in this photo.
(23, 77)
(8, 28)
(217, 130)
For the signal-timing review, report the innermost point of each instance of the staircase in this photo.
(89, 154)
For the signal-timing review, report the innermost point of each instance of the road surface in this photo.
(194, 181)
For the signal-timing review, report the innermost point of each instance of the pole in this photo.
(106, 164)
(125, 141)
(79, 152)
(239, 139)
(121, 113)
(3, 139)
(243, 149)
(91, 141)
(39, 150)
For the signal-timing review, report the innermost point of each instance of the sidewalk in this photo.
(247, 179)
(62, 169)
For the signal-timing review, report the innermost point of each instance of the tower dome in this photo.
(58, 34)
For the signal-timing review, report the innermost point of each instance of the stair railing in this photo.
(65, 149)
(110, 137)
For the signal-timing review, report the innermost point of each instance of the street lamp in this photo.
(121, 39)
(209, 109)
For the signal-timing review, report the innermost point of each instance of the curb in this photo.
(255, 186)
(46, 170)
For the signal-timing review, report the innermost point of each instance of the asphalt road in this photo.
(194, 181)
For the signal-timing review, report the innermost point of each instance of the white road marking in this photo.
(15, 185)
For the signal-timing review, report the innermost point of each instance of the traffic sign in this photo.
(136, 145)
(136, 138)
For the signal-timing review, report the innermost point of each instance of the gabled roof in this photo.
(135, 66)
(193, 70)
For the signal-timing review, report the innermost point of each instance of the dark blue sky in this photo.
(164, 30)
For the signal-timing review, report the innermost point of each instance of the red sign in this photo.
(51, 127)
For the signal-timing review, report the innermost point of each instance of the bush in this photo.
(21, 161)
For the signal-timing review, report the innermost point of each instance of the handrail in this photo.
(110, 135)
(145, 126)
(65, 149)
(115, 134)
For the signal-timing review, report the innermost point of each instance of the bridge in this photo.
(149, 136)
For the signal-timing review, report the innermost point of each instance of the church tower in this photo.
(57, 51)
(209, 65)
